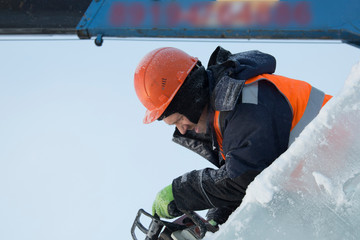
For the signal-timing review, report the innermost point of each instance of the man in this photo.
(236, 114)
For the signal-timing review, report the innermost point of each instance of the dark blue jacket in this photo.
(254, 135)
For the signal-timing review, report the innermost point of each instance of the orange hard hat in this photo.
(158, 78)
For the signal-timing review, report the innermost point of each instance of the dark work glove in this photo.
(219, 215)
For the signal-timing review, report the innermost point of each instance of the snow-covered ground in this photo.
(312, 191)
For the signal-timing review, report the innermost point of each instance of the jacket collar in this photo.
(202, 144)
(226, 93)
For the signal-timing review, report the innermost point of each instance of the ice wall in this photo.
(312, 191)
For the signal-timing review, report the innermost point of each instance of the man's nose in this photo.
(182, 128)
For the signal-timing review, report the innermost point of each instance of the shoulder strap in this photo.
(219, 126)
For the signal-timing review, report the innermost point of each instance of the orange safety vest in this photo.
(304, 100)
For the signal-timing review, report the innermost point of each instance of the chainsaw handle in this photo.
(197, 221)
(154, 229)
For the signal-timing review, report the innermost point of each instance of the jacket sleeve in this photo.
(205, 189)
(250, 145)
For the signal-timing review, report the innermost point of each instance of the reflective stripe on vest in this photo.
(304, 100)
(313, 107)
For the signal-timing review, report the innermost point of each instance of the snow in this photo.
(312, 191)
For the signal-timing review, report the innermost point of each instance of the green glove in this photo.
(164, 204)
(213, 223)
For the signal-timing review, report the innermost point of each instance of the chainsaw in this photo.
(190, 226)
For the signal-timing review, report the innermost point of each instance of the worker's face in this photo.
(183, 124)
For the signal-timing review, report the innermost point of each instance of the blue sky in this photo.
(76, 162)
